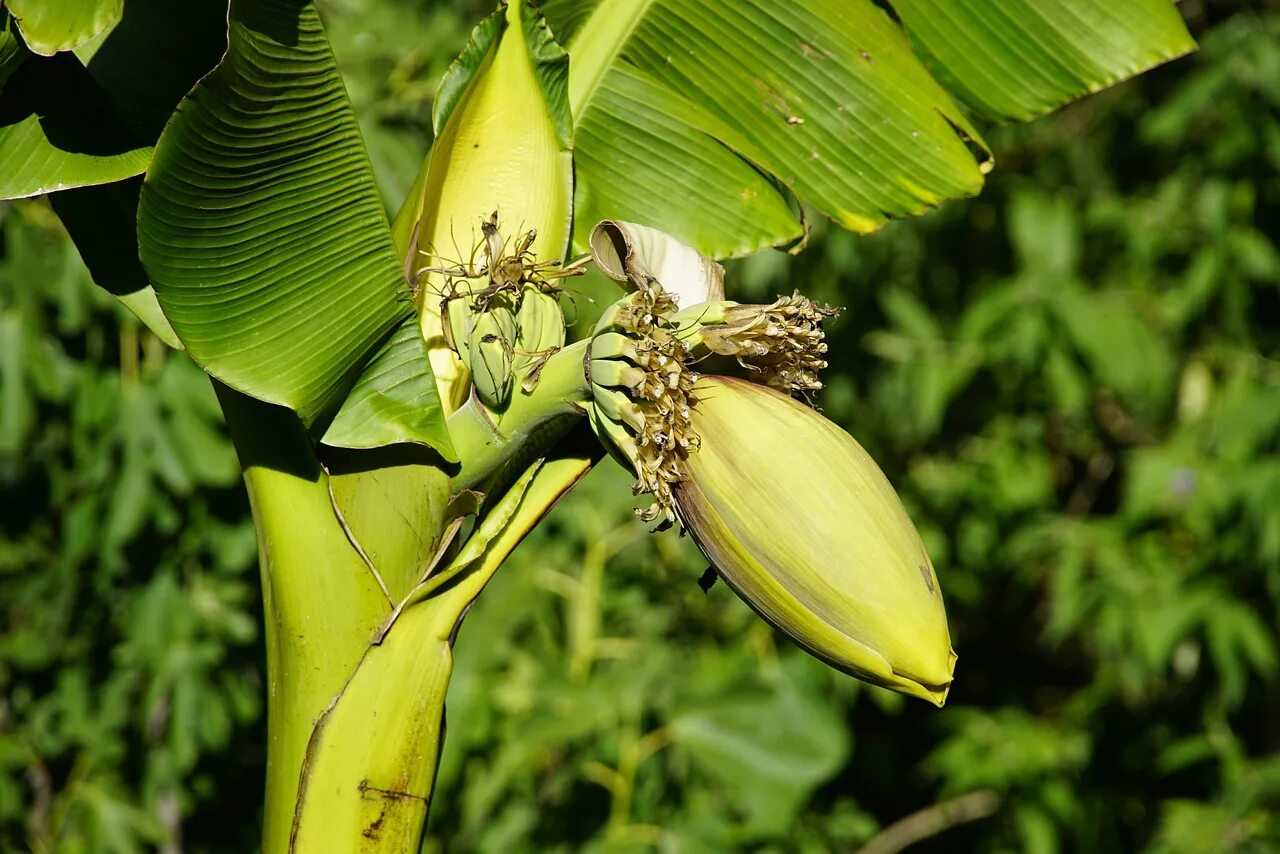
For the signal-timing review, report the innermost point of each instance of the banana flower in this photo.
(790, 510)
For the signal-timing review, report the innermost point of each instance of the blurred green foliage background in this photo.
(1074, 381)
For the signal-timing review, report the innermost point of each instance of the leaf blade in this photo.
(1031, 56)
(294, 282)
(58, 130)
(394, 401)
(829, 101)
(50, 26)
(657, 139)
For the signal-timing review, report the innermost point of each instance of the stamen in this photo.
(783, 342)
(664, 397)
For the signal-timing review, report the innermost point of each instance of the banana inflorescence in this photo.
(789, 509)
(503, 317)
(641, 368)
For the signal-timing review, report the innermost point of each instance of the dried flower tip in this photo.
(782, 343)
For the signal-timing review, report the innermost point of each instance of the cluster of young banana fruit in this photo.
(647, 354)
(506, 329)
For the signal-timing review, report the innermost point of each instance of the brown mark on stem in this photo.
(389, 794)
(374, 830)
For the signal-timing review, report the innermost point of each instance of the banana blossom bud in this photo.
(508, 329)
(800, 521)
(792, 512)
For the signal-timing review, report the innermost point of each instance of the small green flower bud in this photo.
(615, 373)
(617, 407)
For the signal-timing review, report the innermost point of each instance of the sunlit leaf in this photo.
(395, 400)
(295, 284)
(49, 26)
(642, 144)
(1017, 59)
(58, 129)
(828, 100)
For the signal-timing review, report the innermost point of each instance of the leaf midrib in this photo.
(611, 27)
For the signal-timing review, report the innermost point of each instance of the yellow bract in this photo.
(801, 522)
(499, 150)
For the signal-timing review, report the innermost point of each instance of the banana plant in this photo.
(405, 395)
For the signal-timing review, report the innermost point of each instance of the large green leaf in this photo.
(49, 26)
(260, 225)
(640, 137)
(58, 129)
(823, 96)
(145, 65)
(1017, 59)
